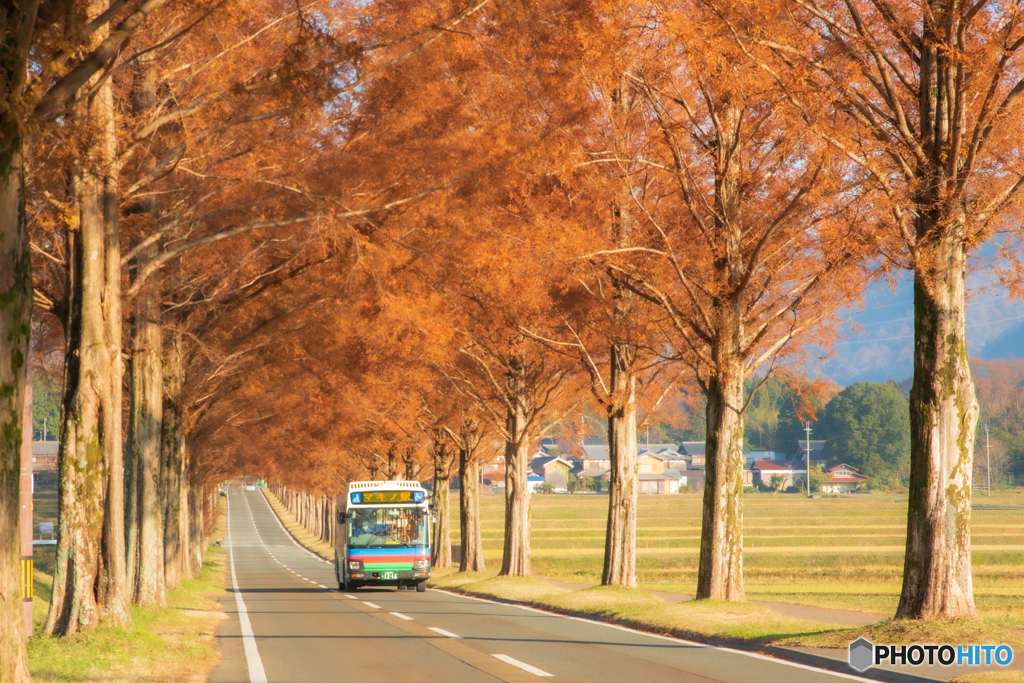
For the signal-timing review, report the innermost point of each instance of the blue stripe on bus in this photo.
(359, 552)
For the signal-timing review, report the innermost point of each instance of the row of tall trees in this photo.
(414, 227)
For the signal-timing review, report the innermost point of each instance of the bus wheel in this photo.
(421, 587)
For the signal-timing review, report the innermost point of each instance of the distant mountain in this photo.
(878, 342)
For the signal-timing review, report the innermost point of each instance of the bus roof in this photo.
(384, 486)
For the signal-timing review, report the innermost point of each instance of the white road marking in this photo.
(400, 616)
(370, 604)
(691, 643)
(350, 597)
(322, 586)
(525, 667)
(444, 633)
(252, 653)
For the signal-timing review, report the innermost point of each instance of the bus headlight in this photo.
(421, 564)
(356, 565)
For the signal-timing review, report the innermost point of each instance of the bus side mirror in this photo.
(342, 517)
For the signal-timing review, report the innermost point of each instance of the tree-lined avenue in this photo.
(305, 632)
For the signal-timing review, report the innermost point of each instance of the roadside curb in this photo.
(273, 502)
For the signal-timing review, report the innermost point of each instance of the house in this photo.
(534, 482)
(44, 456)
(845, 479)
(554, 471)
(659, 482)
(596, 460)
(692, 478)
(762, 472)
(774, 456)
(817, 452)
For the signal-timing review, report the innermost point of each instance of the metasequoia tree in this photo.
(745, 236)
(445, 462)
(74, 53)
(931, 93)
(467, 441)
(89, 576)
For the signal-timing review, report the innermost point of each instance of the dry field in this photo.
(832, 552)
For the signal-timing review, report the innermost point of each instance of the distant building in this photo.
(845, 479)
(762, 472)
(44, 456)
(553, 470)
(817, 452)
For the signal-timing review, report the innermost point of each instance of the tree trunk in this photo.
(172, 453)
(195, 528)
(90, 578)
(441, 556)
(720, 573)
(469, 509)
(620, 537)
(943, 416)
(15, 325)
(515, 556)
(144, 443)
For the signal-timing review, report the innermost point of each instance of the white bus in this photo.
(383, 536)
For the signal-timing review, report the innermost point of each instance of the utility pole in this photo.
(807, 427)
(988, 462)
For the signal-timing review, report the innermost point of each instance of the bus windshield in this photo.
(388, 527)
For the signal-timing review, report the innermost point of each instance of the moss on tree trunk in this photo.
(943, 416)
(15, 319)
(720, 572)
(623, 488)
(515, 556)
(90, 579)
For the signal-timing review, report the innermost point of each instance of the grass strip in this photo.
(175, 643)
(300, 533)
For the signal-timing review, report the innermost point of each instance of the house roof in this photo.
(547, 460)
(692, 473)
(843, 465)
(816, 445)
(656, 476)
(692, 447)
(45, 447)
(769, 466)
(596, 452)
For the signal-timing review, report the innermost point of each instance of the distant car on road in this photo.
(250, 487)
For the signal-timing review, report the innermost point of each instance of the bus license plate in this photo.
(389, 576)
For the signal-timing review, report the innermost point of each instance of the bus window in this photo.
(387, 526)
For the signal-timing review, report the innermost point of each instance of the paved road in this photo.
(303, 629)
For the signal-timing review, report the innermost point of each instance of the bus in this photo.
(383, 536)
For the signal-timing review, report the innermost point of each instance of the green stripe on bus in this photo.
(388, 567)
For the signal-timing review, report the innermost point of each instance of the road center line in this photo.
(252, 654)
(370, 604)
(525, 667)
(350, 597)
(443, 632)
(400, 616)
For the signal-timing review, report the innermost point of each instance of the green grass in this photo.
(175, 643)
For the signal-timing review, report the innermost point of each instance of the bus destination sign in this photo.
(384, 497)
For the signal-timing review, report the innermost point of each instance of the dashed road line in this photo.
(523, 665)
(400, 616)
(447, 634)
(370, 604)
